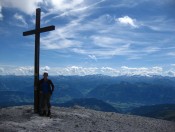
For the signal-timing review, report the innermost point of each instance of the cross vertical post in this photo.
(37, 32)
(37, 52)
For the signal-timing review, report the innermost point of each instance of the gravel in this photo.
(78, 119)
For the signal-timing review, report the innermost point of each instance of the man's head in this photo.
(45, 74)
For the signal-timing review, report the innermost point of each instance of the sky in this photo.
(110, 37)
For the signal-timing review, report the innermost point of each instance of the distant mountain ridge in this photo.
(120, 91)
(140, 92)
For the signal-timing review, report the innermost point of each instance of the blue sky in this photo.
(112, 37)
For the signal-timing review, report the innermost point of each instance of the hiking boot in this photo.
(44, 113)
(41, 114)
(49, 113)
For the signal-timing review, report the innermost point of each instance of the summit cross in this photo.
(37, 32)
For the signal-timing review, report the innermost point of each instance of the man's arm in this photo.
(52, 85)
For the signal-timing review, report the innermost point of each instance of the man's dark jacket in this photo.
(51, 86)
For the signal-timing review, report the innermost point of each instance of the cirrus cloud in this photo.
(26, 6)
(22, 21)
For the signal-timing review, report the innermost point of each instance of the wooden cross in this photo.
(37, 32)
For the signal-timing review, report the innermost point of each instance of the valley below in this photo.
(136, 95)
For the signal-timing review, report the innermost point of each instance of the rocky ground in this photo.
(78, 119)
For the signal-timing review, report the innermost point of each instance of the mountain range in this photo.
(99, 92)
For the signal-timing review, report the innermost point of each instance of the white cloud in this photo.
(171, 54)
(134, 3)
(26, 6)
(61, 7)
(171, 73)
(75, 70)
(62, 44)
(107, 41)
(159, 23)
(102, 45)
(82, 71)
(126, 20)
(59, 39)
(104, 42)
(105, 52)
(142, 71)
(151, 49)
(1, 16)
(93, 57)
(70, 8)
(1, 70)
(110, 71)
(101, 33)
(22, 70)
(46, 68)
(9, 70)
(64, 5)
(21, 19)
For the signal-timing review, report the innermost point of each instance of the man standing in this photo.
(46, 88)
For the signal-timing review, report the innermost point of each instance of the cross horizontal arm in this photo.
(41, 30)
(29, 32)
(45, 29)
